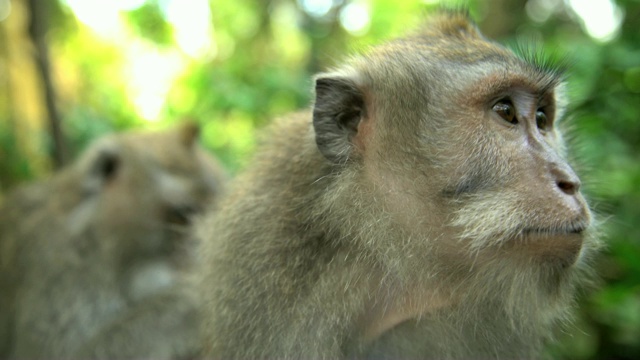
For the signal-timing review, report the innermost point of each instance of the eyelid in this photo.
(503, 104)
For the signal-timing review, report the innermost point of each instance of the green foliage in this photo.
(18, 168)
(148, 23)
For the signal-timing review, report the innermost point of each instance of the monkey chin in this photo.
(560, 248)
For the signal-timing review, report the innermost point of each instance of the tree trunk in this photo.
(37, 31)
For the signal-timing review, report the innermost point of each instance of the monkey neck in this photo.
(518, 311)
(395, 305)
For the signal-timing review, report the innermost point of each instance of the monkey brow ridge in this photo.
(544, 63)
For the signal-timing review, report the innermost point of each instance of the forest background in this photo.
(73, 70)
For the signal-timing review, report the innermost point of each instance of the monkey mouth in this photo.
(570, 230)
(559, 245)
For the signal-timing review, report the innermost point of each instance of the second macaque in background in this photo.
(92, 261)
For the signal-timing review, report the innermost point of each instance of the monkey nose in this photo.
(568, 187)
(565, 179)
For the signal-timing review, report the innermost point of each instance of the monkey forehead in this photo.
(164, 148)
(445, 64)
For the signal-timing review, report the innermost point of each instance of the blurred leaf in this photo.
(148, 22)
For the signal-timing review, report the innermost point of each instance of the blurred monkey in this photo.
(92, 260)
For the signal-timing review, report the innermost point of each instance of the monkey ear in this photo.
(338, 109)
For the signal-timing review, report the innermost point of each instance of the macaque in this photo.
(93, 260)
(424, 208)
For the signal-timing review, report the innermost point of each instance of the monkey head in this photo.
(458, 139)
(138, 191)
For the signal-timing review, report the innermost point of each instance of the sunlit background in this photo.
(234, 65)
(151, 70)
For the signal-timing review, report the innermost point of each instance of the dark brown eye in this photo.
(541, 120)
(506, 110)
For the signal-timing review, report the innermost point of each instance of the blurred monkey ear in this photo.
(337, 112)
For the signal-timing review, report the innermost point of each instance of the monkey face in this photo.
(473, 149)
(141, 190)
(505, 179)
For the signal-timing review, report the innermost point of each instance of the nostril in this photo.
(565, 179)
(568, 187)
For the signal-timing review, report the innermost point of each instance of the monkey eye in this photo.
(506, 110)
(180, 215)
(541, 120)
